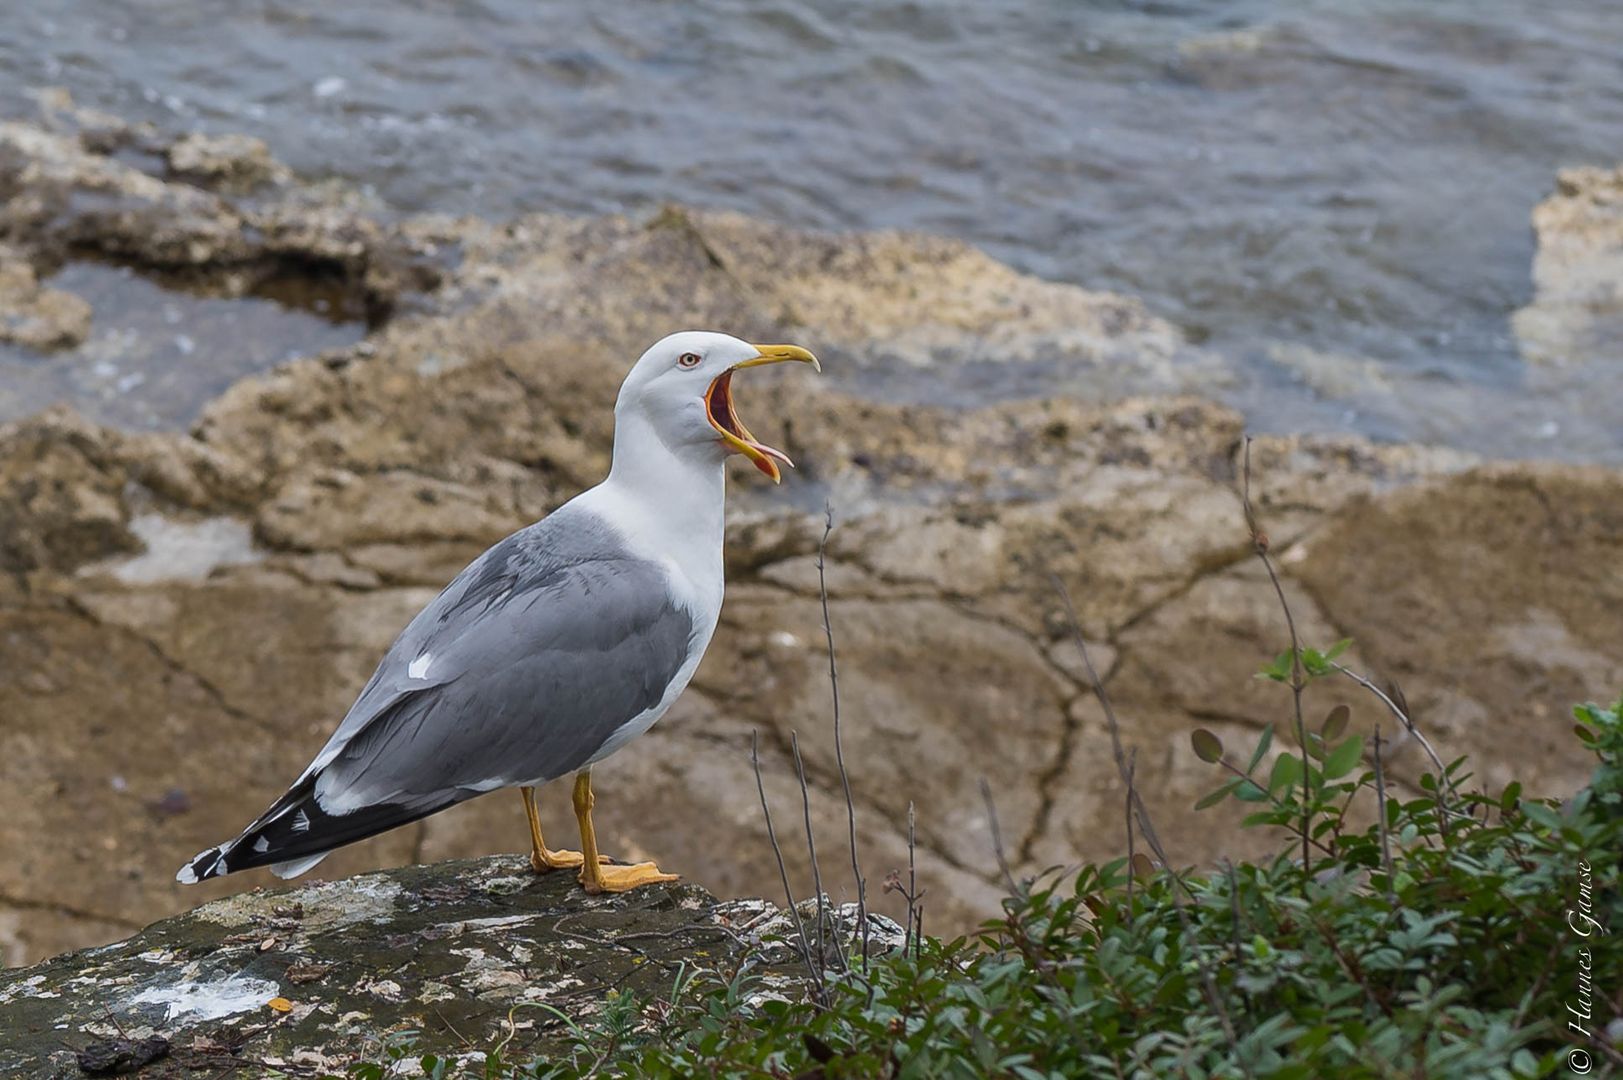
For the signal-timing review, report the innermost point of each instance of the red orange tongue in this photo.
(764, 466)
(721, 394)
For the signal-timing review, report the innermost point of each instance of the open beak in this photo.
(718, 401)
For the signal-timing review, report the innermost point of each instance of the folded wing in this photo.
(520, 671)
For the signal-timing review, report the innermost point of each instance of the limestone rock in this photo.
(315, 977)
(65, 198)
(227, 162)
(62, 488)
(232, 588)
(34, 316)
(1494, 598)
(1577, 311)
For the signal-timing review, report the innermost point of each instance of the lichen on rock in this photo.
(476, 953)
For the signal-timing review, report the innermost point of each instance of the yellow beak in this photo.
(777, 354)
(724, 416)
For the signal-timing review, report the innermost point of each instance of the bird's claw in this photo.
(617, 879)
(543, 861)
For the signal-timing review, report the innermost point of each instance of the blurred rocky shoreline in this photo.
(183, 616)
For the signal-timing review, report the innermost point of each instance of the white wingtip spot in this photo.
(301, 822)
(262, 845)
(418, 668)
(187, 875)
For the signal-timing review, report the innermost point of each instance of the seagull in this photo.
(553, 649)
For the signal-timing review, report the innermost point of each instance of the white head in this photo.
(680, 391)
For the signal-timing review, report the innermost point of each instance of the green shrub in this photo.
(1446, 940)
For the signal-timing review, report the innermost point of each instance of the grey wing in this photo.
(520, 671)
(519, 674)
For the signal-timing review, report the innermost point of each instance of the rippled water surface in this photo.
(1333, 194)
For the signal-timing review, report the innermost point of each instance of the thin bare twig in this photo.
(839, 748)
(111, 1019)
(816, 970)
(463, 1039)
(1127, 800)
(912, 877)
(1141, 812)
(1386, 845)
(811, 848)
(1403, 717)
(1234, 905)
(997, 836)
(1259, 541)
(1401, 713)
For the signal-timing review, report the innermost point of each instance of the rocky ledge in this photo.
(230, 588)
(469, 955)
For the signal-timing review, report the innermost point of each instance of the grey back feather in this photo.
(539, 651)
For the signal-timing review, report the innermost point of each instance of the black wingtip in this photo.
(206, 864)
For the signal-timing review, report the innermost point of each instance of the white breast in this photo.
(691, 556)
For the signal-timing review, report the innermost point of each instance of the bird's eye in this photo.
(688, 359)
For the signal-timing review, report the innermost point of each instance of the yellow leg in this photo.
(542, 860)
(595, 877)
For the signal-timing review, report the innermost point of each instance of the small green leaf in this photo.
(1208, 747)
(1335, 723)
(1585, 735)
(1344, 758)
(1541, 814)
(1262, 747)
(1280, 669)
(1513, 791)
(1143, 868)
(1315, 745)
(1215, 797)
(1250, 792)
(1287, 771)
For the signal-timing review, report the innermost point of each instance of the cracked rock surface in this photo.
(184, 617)
(469, 954)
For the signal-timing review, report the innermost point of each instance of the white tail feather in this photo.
(294, 867)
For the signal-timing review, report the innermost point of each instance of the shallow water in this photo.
(1334, 195)
(156, 355)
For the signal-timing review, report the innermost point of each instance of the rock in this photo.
(1577, 311)
(61, 196)
(59, 112)
(883, 298)
(65, 198)
(34, 316)
(110, 1057)
(62, 487)
(1494, 599)
(317, 976)
(227, 162)
(232, 588)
